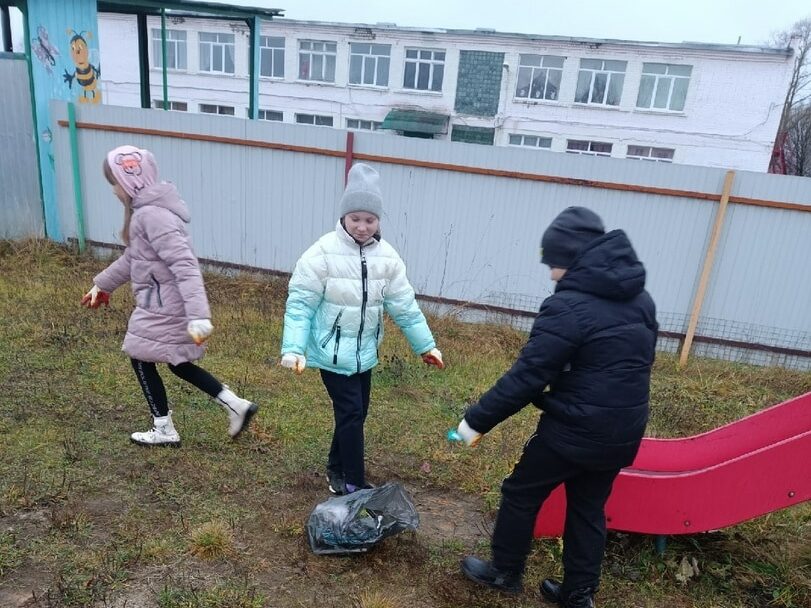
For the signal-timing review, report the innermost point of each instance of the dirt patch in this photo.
(448, 516)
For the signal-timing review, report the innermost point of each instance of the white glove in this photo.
(199, 330)
(95, 298)
(468, 435)
(293, 361)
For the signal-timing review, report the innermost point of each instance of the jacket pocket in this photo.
(157, 287)
(336, 328)
(337, 342)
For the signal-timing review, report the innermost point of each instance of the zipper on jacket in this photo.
(335, 327)
(158, 288)
(364, 281)
(335, 350)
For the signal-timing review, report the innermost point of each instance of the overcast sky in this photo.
(721, 21)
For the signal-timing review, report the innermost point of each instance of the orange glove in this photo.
(95, 298)
(433, 357)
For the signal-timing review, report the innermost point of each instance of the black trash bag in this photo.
(356, 522)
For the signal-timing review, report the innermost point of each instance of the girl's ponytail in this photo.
(125, 230)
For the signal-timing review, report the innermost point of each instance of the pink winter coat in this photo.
(165, 276)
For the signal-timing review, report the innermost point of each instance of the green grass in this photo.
(86, 517)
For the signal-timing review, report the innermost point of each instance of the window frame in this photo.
(223, 48)
(325, 56)
(649, 156)
(610, 76)
(432, 63)
(540, 68)
(374, 125)
(364, 62)
(219, 107)
(272, 51)
(523, 137)
(265, 111)
(157, 104)
(157, 51)
(590, 147)
(315, 118)
(658, 77)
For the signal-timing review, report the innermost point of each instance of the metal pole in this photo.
(143, 61)
(5, 17)
(163, 53)
(349, 155)
(77, 180)
(253, 102)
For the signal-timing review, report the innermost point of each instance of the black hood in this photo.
(607, 267)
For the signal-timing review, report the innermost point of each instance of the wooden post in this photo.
(707, 269)
(349, 156)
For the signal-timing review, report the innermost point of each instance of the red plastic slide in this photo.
(736, 472)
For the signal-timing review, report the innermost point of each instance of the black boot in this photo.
(550, 590)
(580, 598)
(485, 573)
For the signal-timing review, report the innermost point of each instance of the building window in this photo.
(270, 115)
(207, 108)
(316, 60)
(177, 106)
(539, 77)
(662, 155)
(175, 49)
(663, 86)
(271, 57)
(314, 119)
(424, 70)
(217, 53)
(588, 148)
(369, 64)
(600, 82)
(362, 125)
(530, 141)
(473, 135)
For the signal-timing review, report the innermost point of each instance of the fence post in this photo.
(349, 156)
(707, 269)
(77, 179)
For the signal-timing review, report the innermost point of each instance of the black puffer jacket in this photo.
(592, 345)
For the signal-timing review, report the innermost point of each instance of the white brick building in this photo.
(699, 104)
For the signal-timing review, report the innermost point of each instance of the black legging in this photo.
(154, 391)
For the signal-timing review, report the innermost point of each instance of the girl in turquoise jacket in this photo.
(338, 292)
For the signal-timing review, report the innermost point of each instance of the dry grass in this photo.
(85, 517)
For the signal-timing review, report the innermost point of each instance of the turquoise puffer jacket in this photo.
(337, 296)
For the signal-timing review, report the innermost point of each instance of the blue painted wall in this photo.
(62, 40)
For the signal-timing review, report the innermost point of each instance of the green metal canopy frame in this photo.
(190, 8)
(416, 121)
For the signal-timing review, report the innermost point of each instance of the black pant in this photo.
(154, 391)
(350, 403)
(539, 471)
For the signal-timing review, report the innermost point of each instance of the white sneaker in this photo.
(163, 433)
(240, 411)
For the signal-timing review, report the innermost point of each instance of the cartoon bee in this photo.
(85, 73)
(44, 50)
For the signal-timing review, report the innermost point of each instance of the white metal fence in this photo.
(468, 219)
(20, 205)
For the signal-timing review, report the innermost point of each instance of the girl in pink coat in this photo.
(172, 319)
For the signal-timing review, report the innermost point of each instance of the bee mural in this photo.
(44, 50)
(86, 74)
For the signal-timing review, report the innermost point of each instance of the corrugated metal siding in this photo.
(471, 237)
(20, 204)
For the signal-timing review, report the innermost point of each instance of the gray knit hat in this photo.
(569, 232)
(362, 191)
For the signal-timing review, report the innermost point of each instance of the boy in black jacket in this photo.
(592, 347)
